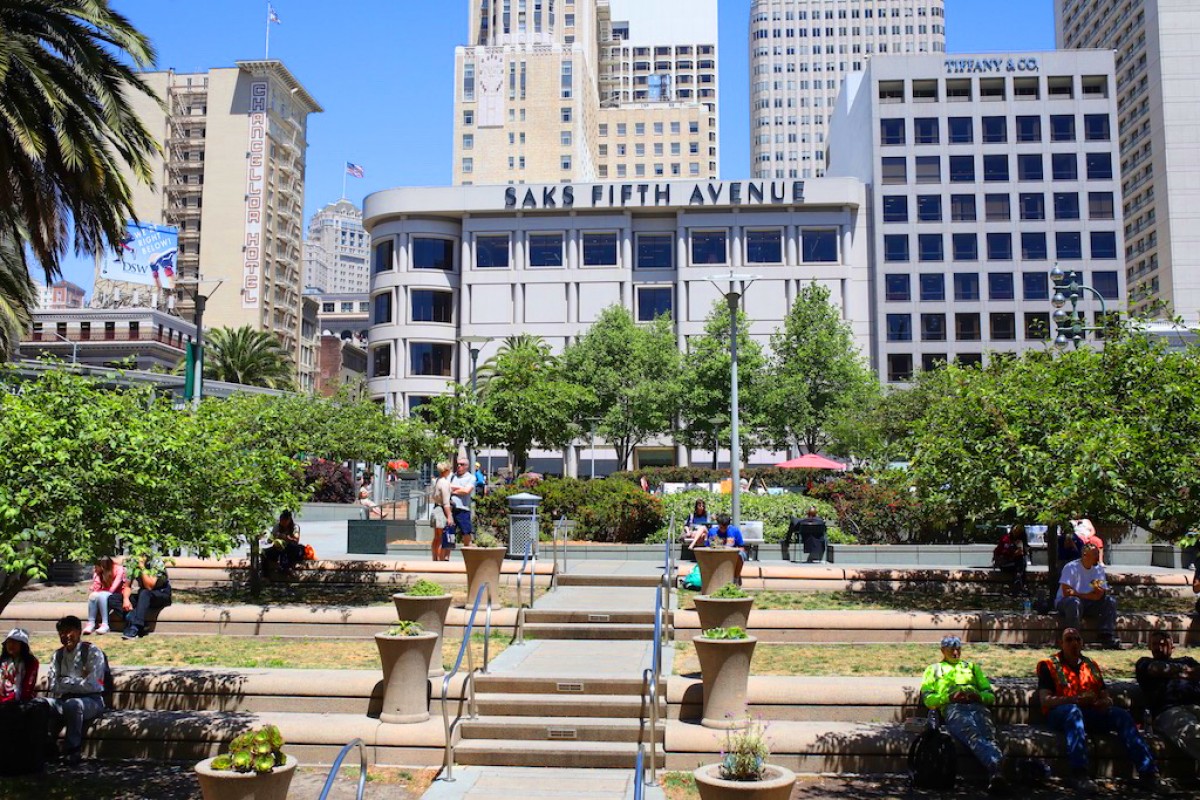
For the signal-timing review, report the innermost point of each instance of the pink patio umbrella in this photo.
(811, 461)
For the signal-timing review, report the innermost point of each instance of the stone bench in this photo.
(202, 573)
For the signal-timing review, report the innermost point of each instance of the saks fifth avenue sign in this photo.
(650, 195)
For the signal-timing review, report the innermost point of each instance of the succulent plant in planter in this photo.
(426, 603)
(406, 650)
(728, 607)
(485, 539)
(255, 766)
(483, 559)
(726, 633)
(730, 591)
(743, 771)
(423, 587)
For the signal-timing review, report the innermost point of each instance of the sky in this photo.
(383, 71)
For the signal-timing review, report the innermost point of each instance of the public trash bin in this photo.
(522, 523)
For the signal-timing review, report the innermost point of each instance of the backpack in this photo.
(933, 761)
(106, 683)
(692, 580)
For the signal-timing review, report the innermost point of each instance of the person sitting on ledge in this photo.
(1171, 688)
(1083, 591)
(1073, 697)
(1010, 558)
(962, 693)
(154, 591)
(725, 534)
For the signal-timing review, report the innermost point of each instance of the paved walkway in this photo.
(508, 783)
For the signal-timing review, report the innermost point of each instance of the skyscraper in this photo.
(1157, 43)
(800, 53)
(231, 179)
(335, 252)
(550, 91)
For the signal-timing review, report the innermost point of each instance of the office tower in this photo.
(231, 179)
(1157, 43)
(335, 252)
(984, 171)
(552, 91)
(800, 53)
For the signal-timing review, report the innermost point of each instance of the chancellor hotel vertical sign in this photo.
(252, 249)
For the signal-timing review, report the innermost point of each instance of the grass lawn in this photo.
(900, 660)
(260, 651)
(926, 601)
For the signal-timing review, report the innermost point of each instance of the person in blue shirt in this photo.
(724, 534)
(480, 480)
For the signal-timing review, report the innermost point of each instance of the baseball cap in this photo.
(20, 634)
(951, 641)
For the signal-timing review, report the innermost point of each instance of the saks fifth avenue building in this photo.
(497, 261)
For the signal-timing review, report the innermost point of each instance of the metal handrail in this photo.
(639, 791)
(520, 635)
(337, 765)
(559, 527)
(652, 676)
(469, 681)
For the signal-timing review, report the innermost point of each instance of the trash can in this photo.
(522, 524)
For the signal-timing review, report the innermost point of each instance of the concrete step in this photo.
(563, 705)
(497, 683)
(555, 630)
(607, 579)
(589, 617)
(590, 755)
(558, 729)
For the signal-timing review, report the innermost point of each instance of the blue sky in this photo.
(383, 70)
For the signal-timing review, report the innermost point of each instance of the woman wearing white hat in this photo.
(18, 669)
(23, 724)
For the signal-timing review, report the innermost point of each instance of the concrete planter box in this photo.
(721, 612)
(725, 672)
(330, 512)
(405, 676)
(483, 566)
(717, 566)
(224, 785)
(776, 784)
(372, 536)
(429, 611)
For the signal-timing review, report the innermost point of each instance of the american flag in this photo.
(354, 170)
(272, 16)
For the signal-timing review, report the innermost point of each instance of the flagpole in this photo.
(344, 173)
(267, 48)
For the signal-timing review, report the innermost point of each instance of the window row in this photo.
(900, 365)
(425, 305)
(1068, 246)
(994, 130)
(1035, 286)
(964, 90)
(1002, 327)
(994, 168)
(998, 207)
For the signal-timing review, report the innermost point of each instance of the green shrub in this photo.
(608, 510)
(425, 588)
(775, 512)
(885, 510)
(730, 591)
(733, 632)
(773, 476)
(745, 753)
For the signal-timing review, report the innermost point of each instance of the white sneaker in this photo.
(103, 629)
(87, 629)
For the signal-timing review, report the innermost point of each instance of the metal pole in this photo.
(735, 454)
(593, 450)
(474, 392)
(199, 365)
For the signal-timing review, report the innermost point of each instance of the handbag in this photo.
(448, 537)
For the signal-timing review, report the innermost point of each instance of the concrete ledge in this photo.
(195, 572)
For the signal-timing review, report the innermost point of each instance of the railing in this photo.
(560, 528)
(175, 341)
(652, 675)
(520, 634)
(468, 688)
(337, 765)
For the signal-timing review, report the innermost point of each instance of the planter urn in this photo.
(405, 676)
(725, 672)
(723, 612)
(430, 612)
(776, 784)
(225, 785)
(717, 566)
(483, 566)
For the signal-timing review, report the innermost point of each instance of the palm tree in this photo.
(67, 131)
(248, 357)
(523, 351)
(17, 295)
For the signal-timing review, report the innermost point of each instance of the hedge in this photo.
(773, 510)
(773, 476)
(607, 510)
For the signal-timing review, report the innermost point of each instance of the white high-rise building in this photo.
(335, 252)
(800, 53)
(1157, 45)
(550, 91)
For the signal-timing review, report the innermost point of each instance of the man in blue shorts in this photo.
(462, 487)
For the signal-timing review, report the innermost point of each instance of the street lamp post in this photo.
(194, 386)
(733, 287)
(474, 345)
(1072, 325)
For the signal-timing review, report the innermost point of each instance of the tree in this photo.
(1111, 434)
(817, 373)
(529, 401)
(248, 357)
(17, 295)
(67, 132)
(632, 374)
(459, 416)
(705, 405)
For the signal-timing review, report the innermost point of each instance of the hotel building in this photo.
(801, 51)
(552, 91)
(1157, 44)
(335, 252)
(983, 172)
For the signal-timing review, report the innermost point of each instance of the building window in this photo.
(1035, 286)
(928, 169)
(709, 247)
(566, 79)
(432, 253)
(381, 361)
(995, 168)
(966, 327)
(999, 247)
(383, 256)
(895, 170)
(468, 165)
(491, 251)
(966, 247)
(891, 131)
(933, 327)
(545, 249)
(415, 401)
(997, 208)
(962, 169)
(932, 361)
(565, 163)
(995, 130)
(1037, 326)
(1004, 326)
(1066, 205)
(655, 251)
(895, 247)
(1099, 166)
(1033, 206)
(1062, 127)
(468, 83)
(468, 141)
(383, 309)
(764, 247)
(328, 308)
(1100, 205)
(819, 246)
(1107, 284)
(427, 358)
(1029, 129)
(899, 367)
(966, 287)
(897, 288)
(895, 208)
(654, 302)
(430, 305)
(925, 130)
(1033, 246)
(1104, 244)
(1029, 167)
(1064, 167)
(1096, 127)
(600, 249)
(962, 208)
(929, 208)
(1001, 286)
(930, 247)
(961, 130)
(899, 327)
(933, 288)
(1068, 245)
